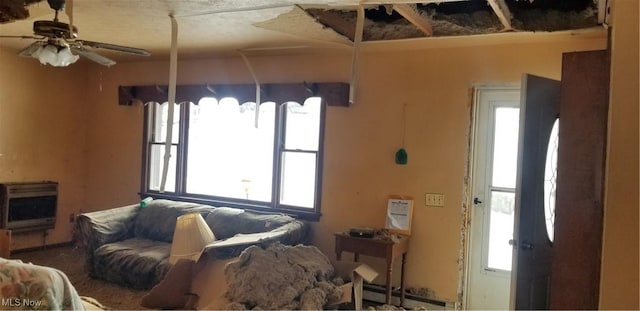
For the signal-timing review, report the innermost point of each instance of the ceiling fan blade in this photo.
(92, 56)
(29, 50)
(109, 46)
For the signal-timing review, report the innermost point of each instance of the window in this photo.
(226, 153)
(157, 149)
(502, 185)
(550, 180)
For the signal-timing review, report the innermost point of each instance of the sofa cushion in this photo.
(226, 222)
(157, 220)
(139, 263)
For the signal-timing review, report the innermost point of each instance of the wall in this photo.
(619, 274)
(360, 143)
(42, 135)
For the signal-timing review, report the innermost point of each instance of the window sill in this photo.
(297, 213)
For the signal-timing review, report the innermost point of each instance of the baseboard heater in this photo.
(376, 293)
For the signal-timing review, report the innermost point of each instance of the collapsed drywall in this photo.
(460, 21)
(554, 20)
(297, 22)
(14, 10)
(281, 277)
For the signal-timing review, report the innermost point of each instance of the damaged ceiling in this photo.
(212, 26)
(456, 18)
(14, 10)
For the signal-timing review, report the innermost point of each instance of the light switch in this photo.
(434, 199)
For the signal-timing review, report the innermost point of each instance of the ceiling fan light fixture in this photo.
(49, 54)
(57, 44)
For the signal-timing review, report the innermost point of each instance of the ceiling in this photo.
(207, 27)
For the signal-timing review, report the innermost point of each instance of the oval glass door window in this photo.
(550, 177)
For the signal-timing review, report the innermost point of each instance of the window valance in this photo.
(333, 93)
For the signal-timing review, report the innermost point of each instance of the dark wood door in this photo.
(530, 277)
(565, 273)
(577, 247)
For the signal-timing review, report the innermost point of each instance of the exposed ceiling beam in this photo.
(411, 13)
(502, 11)
(602, 11)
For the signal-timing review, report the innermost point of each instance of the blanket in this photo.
(24, 286)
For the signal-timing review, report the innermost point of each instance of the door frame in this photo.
(467, 204)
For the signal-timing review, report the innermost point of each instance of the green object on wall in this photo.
(401, 156)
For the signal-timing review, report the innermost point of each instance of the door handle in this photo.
(524, 245)
(476, 201)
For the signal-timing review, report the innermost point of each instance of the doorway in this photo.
(494, 158)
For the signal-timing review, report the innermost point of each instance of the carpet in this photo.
(70, 260)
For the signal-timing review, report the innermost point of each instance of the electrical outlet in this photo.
(434, 199)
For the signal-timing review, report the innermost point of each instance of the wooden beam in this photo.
(410, 12)
(602, 11)
(333, 93)
(502, 11)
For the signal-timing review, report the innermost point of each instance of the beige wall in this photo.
(619, 275)
(63, 124)
(359, 171)
(42, 135)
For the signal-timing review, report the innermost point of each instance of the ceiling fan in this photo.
(58, 45)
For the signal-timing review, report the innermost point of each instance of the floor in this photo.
(70, 260)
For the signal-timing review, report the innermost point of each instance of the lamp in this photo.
(58, 56)
(191, 235)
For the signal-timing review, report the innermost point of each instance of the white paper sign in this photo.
(399, 214)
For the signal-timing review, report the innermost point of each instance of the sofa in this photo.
(130, 245)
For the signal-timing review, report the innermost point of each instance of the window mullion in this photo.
(150, 123)
(279, 140)
(502, 189)
(181, 149)
(146, 145)
(320, 159)
(300, 150)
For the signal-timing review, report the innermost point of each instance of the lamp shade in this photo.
(49, 54)
(191, 235)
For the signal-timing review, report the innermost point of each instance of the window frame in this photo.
(490, 100)
(279, 150)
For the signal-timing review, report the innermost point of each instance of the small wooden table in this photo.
(5, 243)
(376, 247)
